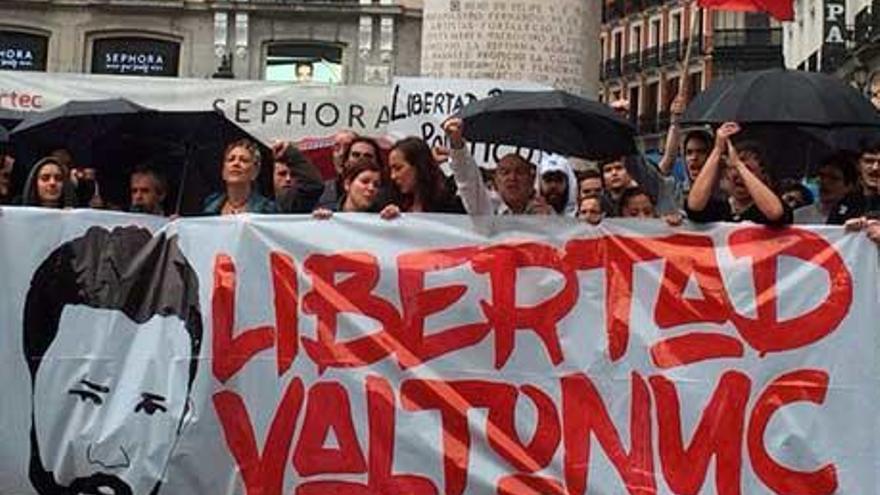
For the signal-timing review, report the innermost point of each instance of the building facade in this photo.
(643, 45)
(840, 37)
(823, 32)
(306, 41)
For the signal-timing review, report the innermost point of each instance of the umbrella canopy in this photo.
(793, 152)
(4, 136)
(10, 118)
(116, 135)
(553, 121)
(779, 96)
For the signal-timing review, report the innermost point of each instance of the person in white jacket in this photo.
(514, 180)
(557, 184)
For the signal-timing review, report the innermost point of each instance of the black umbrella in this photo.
(10, 118)
(553, 121)
(4, 136)
(116, 135)
(779, 96)
(793, 152)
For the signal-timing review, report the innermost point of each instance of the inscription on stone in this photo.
(538, 40)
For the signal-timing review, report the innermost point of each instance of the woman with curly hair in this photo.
(241, 167)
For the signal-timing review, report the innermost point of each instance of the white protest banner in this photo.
(268, 110)
(433, 355)
(420, 105)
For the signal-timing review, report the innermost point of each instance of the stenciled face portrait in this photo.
(112, 333)
(109, 400)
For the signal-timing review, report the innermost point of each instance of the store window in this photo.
(304, 63)
(23, 51)
(135, 56)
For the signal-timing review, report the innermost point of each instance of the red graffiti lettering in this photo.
(796, 386)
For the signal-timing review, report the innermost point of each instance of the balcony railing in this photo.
(652, 57)
(632, 62)
(671, 52)
(612, 68)
(738, 50)
(696, 49)
(747, 37)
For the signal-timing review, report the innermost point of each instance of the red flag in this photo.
(780, 9)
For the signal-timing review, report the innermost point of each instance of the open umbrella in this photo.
(793, 152)
(553, 121)
(800, 118)
(784, 97)
(10, 118)
(4, 136)
(116, 135)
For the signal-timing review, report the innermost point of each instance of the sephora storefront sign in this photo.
(135, 56)
(22, 51)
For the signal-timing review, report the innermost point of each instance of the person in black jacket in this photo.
(751, 195)
(865, 198)
(297, 182)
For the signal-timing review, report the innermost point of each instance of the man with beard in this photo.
(557, 184)
(865, 198)
(112, 333)
(148, 189)
(514, 180)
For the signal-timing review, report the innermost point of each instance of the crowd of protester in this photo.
(725, 179)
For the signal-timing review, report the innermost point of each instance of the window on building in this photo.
(22, 51)
(655, 32)
(675, 27)
(634, 110)
(135, 56)
(636, 39)
(618, 45)
(304, 62)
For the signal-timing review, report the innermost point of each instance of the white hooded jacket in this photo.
(556, 163)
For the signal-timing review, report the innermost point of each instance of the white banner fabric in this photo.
(433, 354)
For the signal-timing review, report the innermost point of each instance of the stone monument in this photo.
(553, 42)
